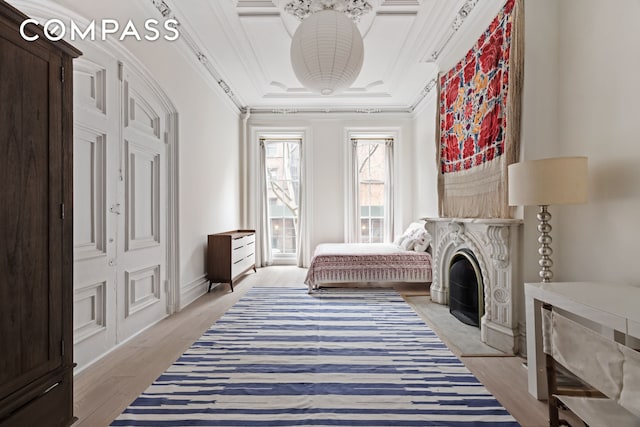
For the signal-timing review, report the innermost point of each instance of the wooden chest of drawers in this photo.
(230, 255)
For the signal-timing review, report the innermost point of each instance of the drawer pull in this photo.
(51, 388)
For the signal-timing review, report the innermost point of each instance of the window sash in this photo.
(282, 224)
(359, 222)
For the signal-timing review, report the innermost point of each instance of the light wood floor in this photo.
(106, 388)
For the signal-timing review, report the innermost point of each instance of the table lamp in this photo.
(554, 181)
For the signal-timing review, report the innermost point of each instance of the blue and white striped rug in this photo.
(282, 357)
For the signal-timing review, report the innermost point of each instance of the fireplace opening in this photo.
(466, 291)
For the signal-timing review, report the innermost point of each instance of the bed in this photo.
(400, 261)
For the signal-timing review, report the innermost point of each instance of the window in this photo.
(282, 164)
(372, 203)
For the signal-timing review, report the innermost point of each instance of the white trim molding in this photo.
(453, 28)
(193, 290)
(164, 8)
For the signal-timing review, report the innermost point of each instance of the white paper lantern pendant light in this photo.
(327, 50)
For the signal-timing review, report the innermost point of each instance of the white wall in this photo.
(540, 114)
(599, 111)
(425, 159)
(209, 125)
(326, 145)
(580, 98)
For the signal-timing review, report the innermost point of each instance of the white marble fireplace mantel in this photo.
(496, 246)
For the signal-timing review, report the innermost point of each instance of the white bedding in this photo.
(366, 262)
(357, 249)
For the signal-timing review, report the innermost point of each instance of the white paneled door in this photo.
(141, 257)
(95, 193)
(120, 205)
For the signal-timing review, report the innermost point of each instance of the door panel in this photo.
(139, 113)
(90, 85)
(142, 289)
(143, 170)
(142, 251)
(89, 311)
(96, 177)
(89, 228)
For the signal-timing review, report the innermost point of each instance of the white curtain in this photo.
(264, 255)
(354, 210)
(302, 243)
(388, 191)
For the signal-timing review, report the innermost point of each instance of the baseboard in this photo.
(193, 290)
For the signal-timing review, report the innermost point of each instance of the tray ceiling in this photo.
(244, 44)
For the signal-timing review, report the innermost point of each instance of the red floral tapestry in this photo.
(479, 121)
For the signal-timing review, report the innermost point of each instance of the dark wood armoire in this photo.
(36, 227)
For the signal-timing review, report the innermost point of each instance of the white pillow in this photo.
(404, 236)
(411, 235)
(398, 240)
(421, 245)
(423, 242)
(408, 244)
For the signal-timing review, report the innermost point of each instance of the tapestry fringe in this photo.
(514, 97)
(481, 205)
(440, 181)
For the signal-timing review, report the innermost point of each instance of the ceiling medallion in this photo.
(354, 9)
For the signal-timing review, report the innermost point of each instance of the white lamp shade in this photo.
(327, 52)
(555, 181)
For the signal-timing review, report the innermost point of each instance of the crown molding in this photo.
(163, 7)
(423, 93)
(329, 110)
(464, 11)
